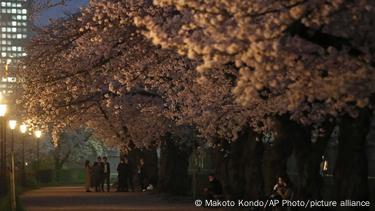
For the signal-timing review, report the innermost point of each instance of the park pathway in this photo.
(75, 199)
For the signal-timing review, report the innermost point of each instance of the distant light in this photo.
(3, 109)
(12, 124)
(23, 128)
(38, 133)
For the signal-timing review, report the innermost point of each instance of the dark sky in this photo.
(57, 12)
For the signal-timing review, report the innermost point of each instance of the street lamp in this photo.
(3, 110)
(12, 126)
(38, 134)
(23, 129)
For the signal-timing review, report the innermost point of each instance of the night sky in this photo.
(57, 12)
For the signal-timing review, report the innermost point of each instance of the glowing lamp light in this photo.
(12, 124)
(3, 109)
(38, 133)
(23, 128)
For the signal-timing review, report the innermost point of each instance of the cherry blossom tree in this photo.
(124, 67)
(310, 60)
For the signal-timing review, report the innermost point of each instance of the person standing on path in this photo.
(107, 174)
(101, 174)
(141, 174)
(88, 176)
(128, 176)
(96, 171)
(121, 168)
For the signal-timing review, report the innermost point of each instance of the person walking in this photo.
(88, 176)
(107, 173)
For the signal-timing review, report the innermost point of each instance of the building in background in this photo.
(13, 36)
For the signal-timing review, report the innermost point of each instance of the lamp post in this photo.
(12, 126)
(38, 134)
(3, 165)
(23, 129)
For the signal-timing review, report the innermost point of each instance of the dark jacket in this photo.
(123, 169)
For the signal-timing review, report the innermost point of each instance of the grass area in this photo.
(6, 200)
(5, 203)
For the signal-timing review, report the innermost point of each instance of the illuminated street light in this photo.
(12, 124)
(3, 110)
(38, 134)
(23, 129)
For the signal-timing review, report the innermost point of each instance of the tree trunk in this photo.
(58, 167)
(239, 167)
(173, 171)
(308, 157)
(253, 171)
(57, 164)
(221, 163)
(276, 154)
(351, 169)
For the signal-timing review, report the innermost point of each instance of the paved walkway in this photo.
(75, 199)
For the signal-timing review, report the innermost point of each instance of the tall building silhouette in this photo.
(13, 36)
